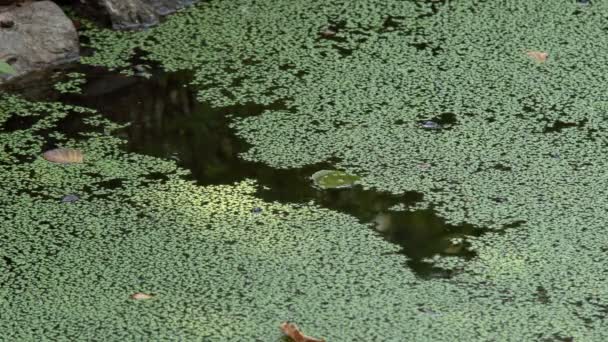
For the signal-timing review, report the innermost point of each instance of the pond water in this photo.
(479, 214)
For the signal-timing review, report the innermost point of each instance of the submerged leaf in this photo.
(64, 156)
(292, 330)
(333, 179)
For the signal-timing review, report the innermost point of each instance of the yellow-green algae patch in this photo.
(359, 97)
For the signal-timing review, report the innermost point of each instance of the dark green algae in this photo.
(540, 278)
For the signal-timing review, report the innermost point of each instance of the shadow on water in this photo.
(167, 121)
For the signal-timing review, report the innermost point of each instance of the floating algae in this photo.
(333, 179)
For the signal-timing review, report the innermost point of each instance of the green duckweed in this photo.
(506, 163)
(73, 84)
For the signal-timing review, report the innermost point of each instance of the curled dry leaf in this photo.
(141, 296)
(538, 56)
(64, 156)
(292, 330)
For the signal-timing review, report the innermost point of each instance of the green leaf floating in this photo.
(333, 179)
(6, 68)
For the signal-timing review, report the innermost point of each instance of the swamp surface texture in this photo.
(479, 215)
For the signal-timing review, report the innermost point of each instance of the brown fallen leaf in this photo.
(64, 156)
(538, 56)
(292, 330)
(141, 296)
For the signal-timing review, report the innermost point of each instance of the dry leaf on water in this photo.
(538, 56)
(292, 330)
(64, 156)
(140, 296)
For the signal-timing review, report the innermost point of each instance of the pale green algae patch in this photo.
(359, 97)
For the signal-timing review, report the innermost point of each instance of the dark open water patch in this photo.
(167, 121)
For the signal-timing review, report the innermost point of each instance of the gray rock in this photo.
(164, 7)
(130, 14)
(35, 36)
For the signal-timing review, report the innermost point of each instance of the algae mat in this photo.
(217, 270)
(515, 145)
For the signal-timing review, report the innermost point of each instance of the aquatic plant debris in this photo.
(333, 179)
(342, 99)
(292, 330)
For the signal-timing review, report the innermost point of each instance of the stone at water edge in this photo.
(35, 36)
(130, 14)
